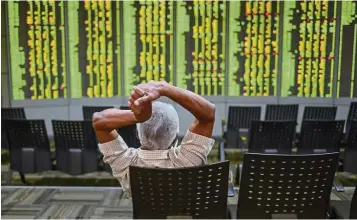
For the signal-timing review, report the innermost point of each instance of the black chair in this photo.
(239, 121)
(319, 113)
(350, 156)
(76, 147)
(192, 192)
(124, 108)
(271, 136)
(345, 209)
(88, 111)
(9, 113)
(281, 112)
(286, 186)
(352, 115)
(320, 136)
(29, 146)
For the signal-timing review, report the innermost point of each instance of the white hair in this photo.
(160, 131)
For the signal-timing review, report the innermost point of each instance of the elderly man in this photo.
(158, 126)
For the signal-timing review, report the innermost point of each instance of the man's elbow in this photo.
(212, 113)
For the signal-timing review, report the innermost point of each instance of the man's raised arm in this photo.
(106, 122)
(202, 110)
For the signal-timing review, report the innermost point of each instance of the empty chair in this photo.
(29, 145)
(76, 146)
(239, 121)
(88, 111)
(352, 115)
(350, 156)
(320, 136)
(271, 136)
(286, 186)
(191, 192)
(9, 113)
(319, 113)
(281, 112)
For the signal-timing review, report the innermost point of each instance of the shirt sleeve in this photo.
(117, 154)
(193, 151)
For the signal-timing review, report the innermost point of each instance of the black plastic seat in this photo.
(352, 115)
(320, 136)
(319, 113)
(88, 111)
(76, 147)
(239, 121)
(9, 113)
(281, 112)
(192, 192)
(286, 186)
(272, 136)
(345, 209)
(350, 156)
(29, 145)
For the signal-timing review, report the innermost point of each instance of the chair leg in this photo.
(23, 179)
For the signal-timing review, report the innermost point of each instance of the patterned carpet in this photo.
(81, 202)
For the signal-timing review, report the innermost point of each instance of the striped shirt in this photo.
(193, 151)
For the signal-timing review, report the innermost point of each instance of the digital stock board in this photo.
(36, 38)
(101, 49)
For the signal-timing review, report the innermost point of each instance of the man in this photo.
(158, 126)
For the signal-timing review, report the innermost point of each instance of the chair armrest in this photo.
(222, 156)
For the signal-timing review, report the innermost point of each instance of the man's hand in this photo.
(142, 110)
(148, 92)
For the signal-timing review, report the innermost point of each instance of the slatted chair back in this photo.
(281, 112)
(239, 120)
(319, 113)
(24, 133)
(286, 186)
(88, 111)
(320, 136)
(192, 192)
(9, 113)
(271, 136)
(29, 145)
(74, 134)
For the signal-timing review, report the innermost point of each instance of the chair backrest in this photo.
(320, 135)
(242, 116)
(352, 115)
(9, 113)
(23, 133)
(352, 135)
(13, 113)
(319, 113)
(74, 134)
(285, 186)
(193, 192)
(88, 111)
(271, 136)
(281, 112)
(129, 135)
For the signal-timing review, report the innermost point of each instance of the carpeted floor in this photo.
(81, 202)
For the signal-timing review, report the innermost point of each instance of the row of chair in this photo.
(272, 186)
